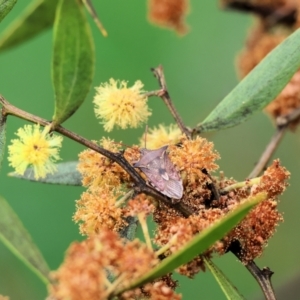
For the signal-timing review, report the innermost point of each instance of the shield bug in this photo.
(160, 172)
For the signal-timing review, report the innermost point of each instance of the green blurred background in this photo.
(199, 69)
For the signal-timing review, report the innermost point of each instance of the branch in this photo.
(272, 15)
(164, 94)
(262, 276)
(282, 124)
(266, 155)
(90, 8)
(140, 185)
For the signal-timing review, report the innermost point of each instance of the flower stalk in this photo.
(238, 185)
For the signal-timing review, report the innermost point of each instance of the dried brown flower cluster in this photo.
(252, 233)
(259, 44)
(90, 264)
(99, 207)
(97, 170)
(105, 207)
(169, 13)
(162, 289)
(140, 204)
(260, 224)
(280, 19)
(94, 214)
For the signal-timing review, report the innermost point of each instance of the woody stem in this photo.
(165, 96)
(282, 123)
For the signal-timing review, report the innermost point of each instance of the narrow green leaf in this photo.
(200, 242)
(2, 137)
(227, 287)
(66, 174)
(73, 59)
(37, 17)
(14, 235)
(257, 89)
(5, 7)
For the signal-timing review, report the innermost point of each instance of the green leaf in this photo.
(2, 137)
(37, 17)
(200, 242)
(257, 89)
(5, 7)
(66, 174)
(73, 59)
(227, 287)
(14, 235)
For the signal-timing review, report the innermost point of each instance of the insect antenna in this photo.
(146, 132)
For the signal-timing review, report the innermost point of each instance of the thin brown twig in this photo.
(159, 74)
(262, 276)
(140, 184)
(90, 8)
(266, 155)
(272, 15)
(156, 93)
(282, 124)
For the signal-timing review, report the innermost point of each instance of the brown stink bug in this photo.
(160, 172)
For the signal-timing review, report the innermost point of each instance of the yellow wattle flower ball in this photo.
(34, 148)
(161, 135)
(118, 105)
